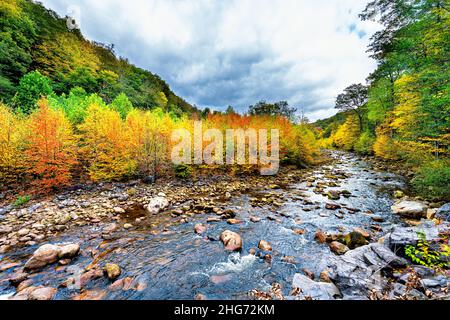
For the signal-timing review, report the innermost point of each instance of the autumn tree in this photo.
(347, 134)
(105, 145)
(13, 143)
(150, 133)
(52, 147)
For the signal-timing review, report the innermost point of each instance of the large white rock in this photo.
(410, 209)
(157, 204)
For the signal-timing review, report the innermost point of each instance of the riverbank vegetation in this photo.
(404, 112)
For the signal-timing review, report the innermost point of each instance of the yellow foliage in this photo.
(150, 139)
(347, 134)
(10, 6)
(105, 145)
(65, 54)
(13, 132)
(408, 99)
(385, 147)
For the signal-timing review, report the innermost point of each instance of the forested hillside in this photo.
(404, 112)
(34, 38)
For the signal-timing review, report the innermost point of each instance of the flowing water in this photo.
(169, 261)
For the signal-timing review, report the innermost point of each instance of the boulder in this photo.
(332, 206)
(363, 232)
(255, 219)
(118, 210)
(399, 194)
(157, 204)
(315, 290)
(334, 195)
(410, 209)
(400, 237)
(359, 271)
(46, 254)
(231, 240)
(127, 226)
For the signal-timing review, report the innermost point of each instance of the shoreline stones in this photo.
(359, 271)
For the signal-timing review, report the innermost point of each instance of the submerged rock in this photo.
(315, 290)
(200, 228)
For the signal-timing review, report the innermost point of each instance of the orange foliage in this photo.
(52, 147)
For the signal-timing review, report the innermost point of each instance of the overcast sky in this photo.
(217, 53)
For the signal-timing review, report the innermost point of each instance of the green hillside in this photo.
(36, 38)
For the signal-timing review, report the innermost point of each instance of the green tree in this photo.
(353, 99)
(280, 108)
(122, 105)
(31, 88)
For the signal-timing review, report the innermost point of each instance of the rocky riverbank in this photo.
(338, 231)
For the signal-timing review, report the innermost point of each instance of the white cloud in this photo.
(217, 53)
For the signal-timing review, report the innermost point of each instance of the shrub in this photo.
(424, 255)
(21, 200)
(182, 171)
(432, 180)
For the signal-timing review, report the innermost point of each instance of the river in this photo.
(176, 263)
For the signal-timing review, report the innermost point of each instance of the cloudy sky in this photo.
(217, 53)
